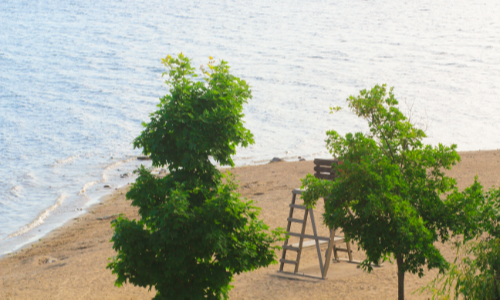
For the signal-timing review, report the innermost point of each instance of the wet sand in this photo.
(70, 263)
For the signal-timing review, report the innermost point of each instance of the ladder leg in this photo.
(290, 215)
(349, 251)
(317, 242)
(301, 240)
(335, 254)
(329, 252)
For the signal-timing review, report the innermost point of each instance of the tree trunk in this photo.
(497, 282)
(401, 277)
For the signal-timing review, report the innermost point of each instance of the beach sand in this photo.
(70, 263)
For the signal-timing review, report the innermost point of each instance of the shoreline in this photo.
(70, 261)
(70, 195)
(52, 222)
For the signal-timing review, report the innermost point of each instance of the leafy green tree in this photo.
(388, 193)
(475, 273)
(194, 232)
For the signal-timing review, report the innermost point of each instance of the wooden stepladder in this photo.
(323, 171)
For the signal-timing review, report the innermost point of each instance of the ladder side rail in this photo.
(348, 244)
(288, 227)
(335, 253)
(301, 240)
(317, 242)
(349, 251)
(329, 252)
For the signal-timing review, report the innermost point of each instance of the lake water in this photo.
(77, 78)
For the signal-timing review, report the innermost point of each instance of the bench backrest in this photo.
(323, 168)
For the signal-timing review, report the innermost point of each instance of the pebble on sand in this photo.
(276, 159)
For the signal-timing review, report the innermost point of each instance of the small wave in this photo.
(40, 219)
(104, 177)
(243, 158)
(27, 177)
(117, 163)
(86, 186)
(16, 191)
(66, 160)
(260, 161)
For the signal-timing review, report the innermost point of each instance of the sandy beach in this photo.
(70, 263)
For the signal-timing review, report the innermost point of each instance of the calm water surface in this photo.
(77, 78)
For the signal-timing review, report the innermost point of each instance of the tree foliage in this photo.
(194, 232)
(396, 188)
(475, 273)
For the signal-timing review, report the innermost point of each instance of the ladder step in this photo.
(307, 236)
(298, 206)
(295, 220)
(288, 247)
(307, 244)
(342, 250)
(285, 261)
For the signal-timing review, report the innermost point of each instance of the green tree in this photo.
(475, 273)
(388, 193)
(194, 232)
